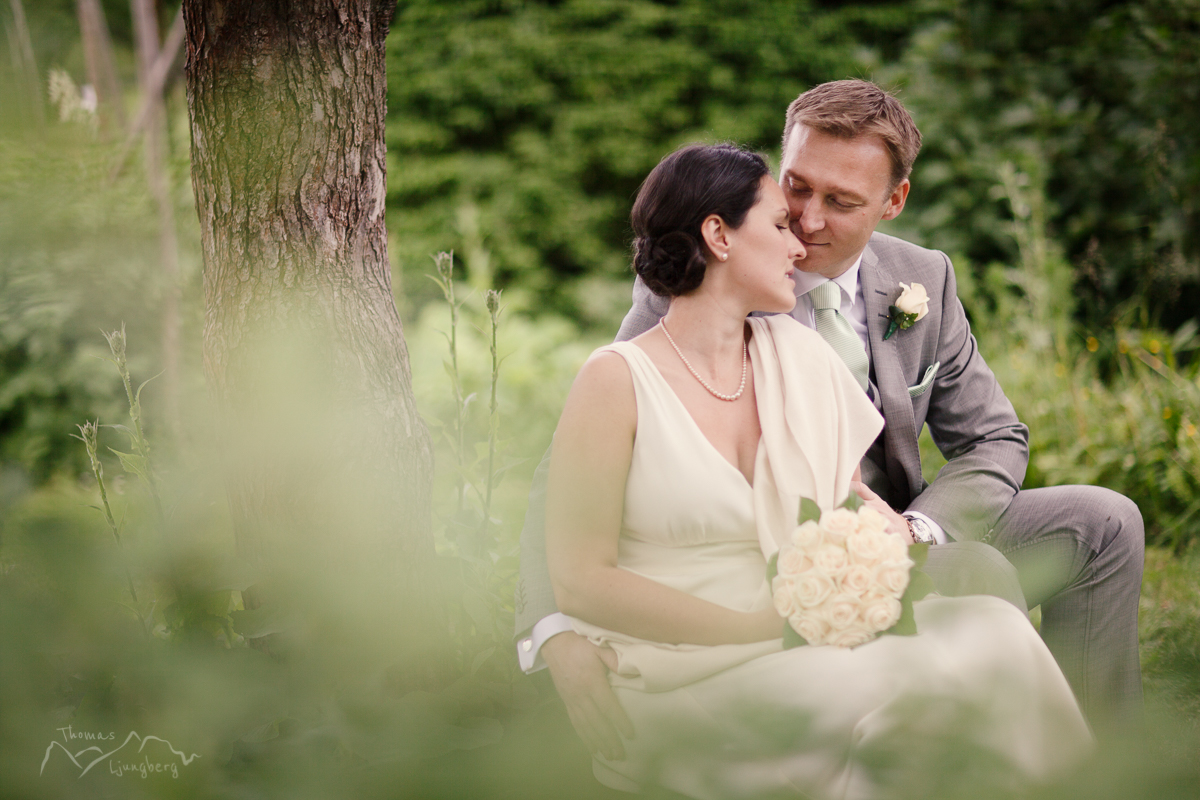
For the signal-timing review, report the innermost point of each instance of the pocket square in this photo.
(926, 381)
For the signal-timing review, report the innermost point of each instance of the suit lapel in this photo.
(900, 433)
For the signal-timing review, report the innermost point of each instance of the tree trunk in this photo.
(145, 27)
(102, 72)
(21, 45)
(303, 345)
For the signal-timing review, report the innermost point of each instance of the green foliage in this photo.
(481, 565)
(87, 435)
(1104, 94)
(479, 509)
(1117, 408)
(285, 696)
(54, 29)
(522, 130)
(809, 510)
(1169, 629)
(78, 254)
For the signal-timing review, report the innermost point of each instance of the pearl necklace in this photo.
(729, 398)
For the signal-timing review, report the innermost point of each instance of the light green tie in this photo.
(835, 329)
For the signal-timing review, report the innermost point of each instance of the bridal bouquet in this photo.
(844, 580)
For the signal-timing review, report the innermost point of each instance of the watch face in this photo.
(920, 530)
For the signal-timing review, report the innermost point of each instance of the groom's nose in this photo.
(810, 219)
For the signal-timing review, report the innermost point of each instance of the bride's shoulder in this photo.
(606, 370)
(602, 393)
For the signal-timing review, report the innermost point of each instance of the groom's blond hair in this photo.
(852, 108)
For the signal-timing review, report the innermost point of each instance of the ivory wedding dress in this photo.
(754, 719)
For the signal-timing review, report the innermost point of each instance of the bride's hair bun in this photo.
(685, 188)
(670, 265)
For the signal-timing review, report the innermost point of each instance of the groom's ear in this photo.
(715, 233)
(895, 201)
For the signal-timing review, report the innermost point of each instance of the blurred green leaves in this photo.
(524, 129)
(1106, 95)
(1115, 406)
(78, 254)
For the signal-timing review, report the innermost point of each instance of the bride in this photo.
(677, 470)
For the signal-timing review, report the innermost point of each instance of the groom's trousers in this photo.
(1078, 552)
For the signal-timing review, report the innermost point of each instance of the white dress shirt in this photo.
(854, 309)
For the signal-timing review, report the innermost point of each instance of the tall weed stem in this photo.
(88, 435)
(444, 262)
(137, 462)
(492, 301)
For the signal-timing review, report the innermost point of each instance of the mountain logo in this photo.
(123, 758)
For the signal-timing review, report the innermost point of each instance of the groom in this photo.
(848, 148)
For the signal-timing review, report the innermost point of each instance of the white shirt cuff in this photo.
(939, 535)
(529, 649)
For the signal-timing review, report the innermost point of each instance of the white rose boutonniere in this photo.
(911, 305)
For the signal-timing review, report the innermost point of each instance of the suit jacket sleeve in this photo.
(535, 596)
(975, 427)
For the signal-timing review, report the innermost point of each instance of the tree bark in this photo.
(21, 45)
(145, 27)
(102, 72)
(287, 104)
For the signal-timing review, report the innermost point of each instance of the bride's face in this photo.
(763, 250)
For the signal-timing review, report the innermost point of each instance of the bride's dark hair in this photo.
(680, 193)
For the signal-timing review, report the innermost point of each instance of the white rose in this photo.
(839, 523)
(858, 579)
(841, 611)
(892, 578)
(807, 536)
(784, 599)
(871, 521)
(880, 613)
(913, 300)
(792, 562)
(868, 549)
(830, 560)
(811, 589)
(812, 628)
(851, 637)
(896, 549)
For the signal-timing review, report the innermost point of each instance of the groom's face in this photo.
(837, 191)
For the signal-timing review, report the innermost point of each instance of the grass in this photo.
(1169, 632)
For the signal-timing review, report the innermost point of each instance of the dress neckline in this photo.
(691, 421)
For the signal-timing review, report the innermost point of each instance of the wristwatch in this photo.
(920, 530)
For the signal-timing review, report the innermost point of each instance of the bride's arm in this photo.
(589, 464)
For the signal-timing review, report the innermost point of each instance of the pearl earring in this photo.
(724, 256)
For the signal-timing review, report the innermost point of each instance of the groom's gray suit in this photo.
(1077, 549)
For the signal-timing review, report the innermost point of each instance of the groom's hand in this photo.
(897, 524)
(580, 672)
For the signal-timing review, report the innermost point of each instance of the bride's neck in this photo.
(705, 327)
